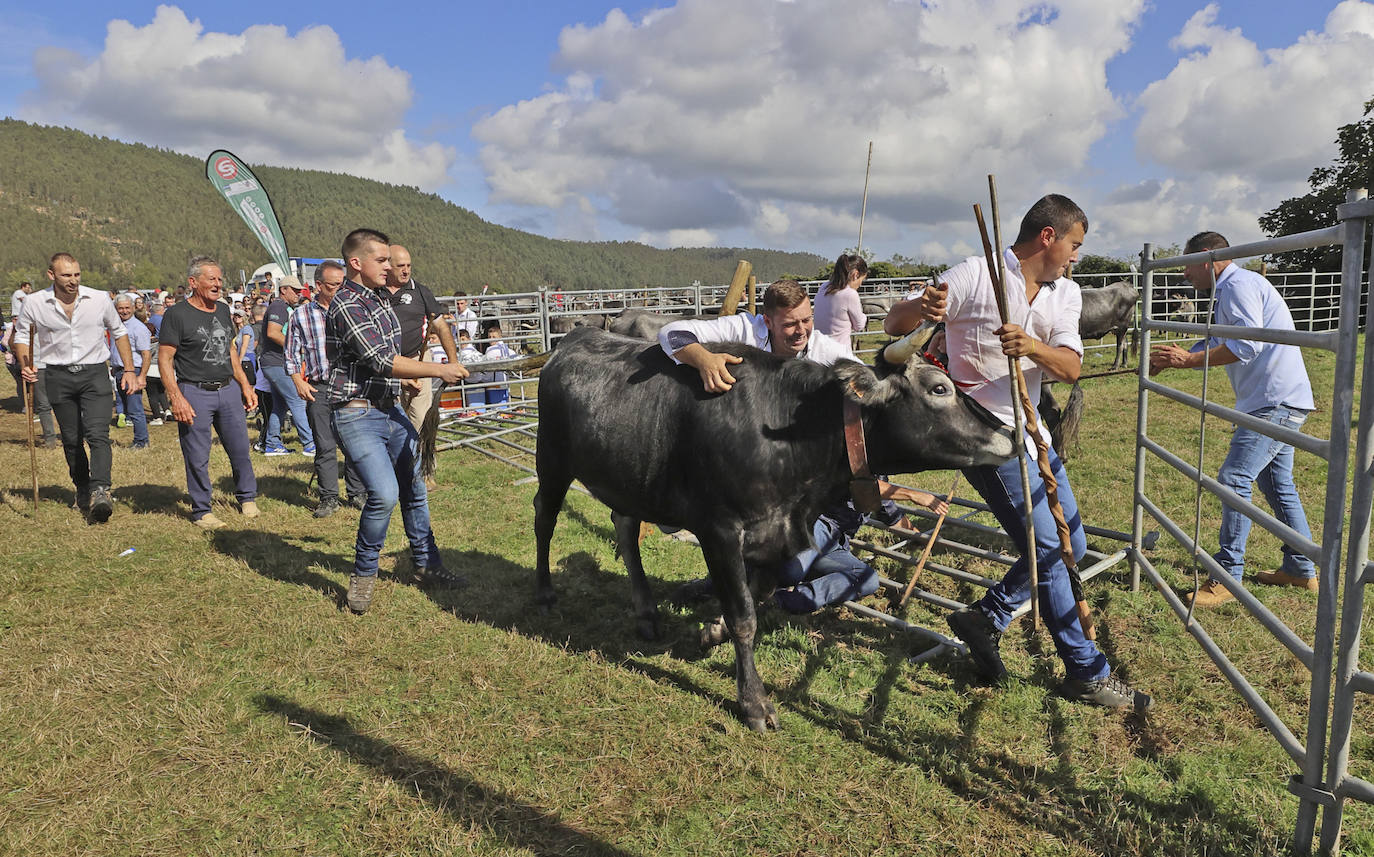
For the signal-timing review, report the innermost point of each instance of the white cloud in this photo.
(1228, 106)
(269, 96)
(679, 238)
(770, 106)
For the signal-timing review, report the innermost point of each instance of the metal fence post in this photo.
(544, 317)
(1142, 400)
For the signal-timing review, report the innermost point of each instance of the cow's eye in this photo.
(940, 389)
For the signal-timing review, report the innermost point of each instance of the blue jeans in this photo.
(221, 409)
(384, 447)
(826, 574)
(284, 396)
(1253, 457)
(1001, 488)
(131, 405)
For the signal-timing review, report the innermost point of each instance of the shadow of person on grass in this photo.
(287, 489)
(145, 498)
(274, 557)
(514, 824)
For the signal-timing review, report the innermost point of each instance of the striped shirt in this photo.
(305, 352)
(362, 338)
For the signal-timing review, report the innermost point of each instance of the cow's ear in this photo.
(862, 385)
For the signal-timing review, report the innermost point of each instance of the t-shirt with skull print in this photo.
(202, 342)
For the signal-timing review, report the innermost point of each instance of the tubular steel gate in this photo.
(1323, 781)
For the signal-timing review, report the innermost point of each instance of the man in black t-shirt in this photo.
(272, 360)
(199, 373)
(416, 309)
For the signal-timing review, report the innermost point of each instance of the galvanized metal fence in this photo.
(1323, 781)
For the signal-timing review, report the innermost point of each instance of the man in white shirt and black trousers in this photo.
(70, 323)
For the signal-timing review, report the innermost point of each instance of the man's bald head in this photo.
(400, 267)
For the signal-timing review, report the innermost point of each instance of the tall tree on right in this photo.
(1354, 168)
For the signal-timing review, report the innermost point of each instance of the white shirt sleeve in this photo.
(676, 335)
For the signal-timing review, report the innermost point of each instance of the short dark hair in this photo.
(1055, 210)
(360, 238)
(328, 265)
(783, 294)
(1205, 241)
(60, 257)
(488, 326)
(460, 294)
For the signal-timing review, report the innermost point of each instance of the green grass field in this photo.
(205, 695)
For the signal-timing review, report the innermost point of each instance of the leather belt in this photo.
(863, 487)
(73, 368)
(210, 386)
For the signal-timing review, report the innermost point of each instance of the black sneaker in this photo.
(982, 639)
(327, 507)
(360, 592)
(1109, 692)
(102, 505)
(355, 501)
(441, 578)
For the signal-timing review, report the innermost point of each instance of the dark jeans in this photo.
(222, 408)
(157, 398)
(83, 403)
(131, 405)
(41, 408)
(264, 414)
(326, 452)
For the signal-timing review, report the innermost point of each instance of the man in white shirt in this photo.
(1042, 330)
(464, 318)
(17, 299)
(71, 323)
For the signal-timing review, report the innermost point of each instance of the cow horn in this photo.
(515, 364)
(914, 342)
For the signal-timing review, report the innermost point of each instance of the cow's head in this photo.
(917, 419)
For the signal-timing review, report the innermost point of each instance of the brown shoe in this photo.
(1210, 594)
(1283, 578)
(208, 522)
(249, 509)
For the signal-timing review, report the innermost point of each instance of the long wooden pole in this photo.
(863, 210)
(28, 412)
(930, 543)
(738, 284)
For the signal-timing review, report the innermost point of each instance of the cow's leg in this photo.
(1120, 350)
(548, 502)
(627, 540)
(726, 564)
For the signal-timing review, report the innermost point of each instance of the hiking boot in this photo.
(208, 522)
(982, 638)
(439, 577)
(327, 507)
(1108, 692)
(102, 505)
(360, 592)
(249, 509)
(83, 501)
(1210, 594)
(1283, 578)
(355, 501)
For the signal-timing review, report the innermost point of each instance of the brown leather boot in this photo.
(1210, 594)
(1283, 578)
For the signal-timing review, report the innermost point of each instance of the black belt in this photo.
(211, 386)
(73, 368)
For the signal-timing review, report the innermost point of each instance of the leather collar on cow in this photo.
(863, 487)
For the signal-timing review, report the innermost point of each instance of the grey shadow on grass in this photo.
(291, 490)
(515, 824)
(277, 558)
(145, 498)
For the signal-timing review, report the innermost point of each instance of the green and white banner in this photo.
(246, 195)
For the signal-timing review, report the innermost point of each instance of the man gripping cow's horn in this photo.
(827, 573)
(1043, 307)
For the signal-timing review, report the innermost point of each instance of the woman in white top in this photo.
(838, 311)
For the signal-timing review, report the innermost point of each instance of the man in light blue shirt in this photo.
(141, 344)
(1270, 382)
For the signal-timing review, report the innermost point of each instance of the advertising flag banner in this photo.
(246, 195)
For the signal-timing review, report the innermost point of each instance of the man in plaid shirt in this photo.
(308, 367)
(366, 369)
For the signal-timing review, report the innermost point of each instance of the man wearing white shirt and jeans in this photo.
(71, 323)
(1043, 308)
(1271, 383)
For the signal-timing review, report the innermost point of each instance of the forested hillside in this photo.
(132, 215)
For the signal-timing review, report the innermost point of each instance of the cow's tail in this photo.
(1066, 432)
(429, 435)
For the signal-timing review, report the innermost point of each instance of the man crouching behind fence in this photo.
(362, 344)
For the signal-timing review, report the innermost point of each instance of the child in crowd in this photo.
(469, 356)
(497, 350)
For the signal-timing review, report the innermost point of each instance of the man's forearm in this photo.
(446, 339)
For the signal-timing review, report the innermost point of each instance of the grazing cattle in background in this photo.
(643, 324)
(1110, 309)
(562, 324)
(747, 472)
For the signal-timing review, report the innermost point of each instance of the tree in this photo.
(1354, 168)
(1091, 263)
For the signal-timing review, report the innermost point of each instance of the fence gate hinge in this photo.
(1321, 797)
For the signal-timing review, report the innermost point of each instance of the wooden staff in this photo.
(738, 284)
(1032, 426)
(925, 554)
(28, 411)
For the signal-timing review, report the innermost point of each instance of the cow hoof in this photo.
(648, 628)
(768, 721)
(714, 633)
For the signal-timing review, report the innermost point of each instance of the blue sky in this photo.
(739, 122)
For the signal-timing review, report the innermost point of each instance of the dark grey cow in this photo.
(747, 471)
(643, 324)
(1110, 309)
